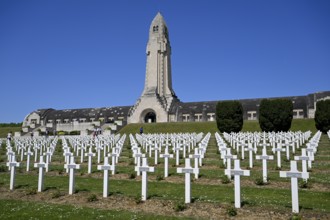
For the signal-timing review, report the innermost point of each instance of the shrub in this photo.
(322, 115)
(92, 198)
(275, 115)
(56, 194)
(74, 132)
(229, 116)
(31, 191)
(138, 199)
(132, 176)
(159, 178)
(304, 185)
(231, 211)
(259, 181)
(180, 206)
(225, 179)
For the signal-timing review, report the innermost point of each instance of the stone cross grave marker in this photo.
(105, 167)
(287, 149)
(294, 174)
(138, 155)
(113, 156)
(144, 169)
(303, 159)
(196, 157)
(278, 149)
(310, 152)
(166, 157)
(156, 149)
(67, 154)
(177, 149)
(12, 165)
(28, 154)
(90, 156)
(72, 166)
(237, 172)
(250, 149)
(48, 155)
(264, 157)
(41, 165)
(229, 157)
(242, 145)
(10, 156)
(98, 150)
(187, 170)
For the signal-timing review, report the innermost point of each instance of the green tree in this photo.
(229, 116)
(322, 115)
(275, 115)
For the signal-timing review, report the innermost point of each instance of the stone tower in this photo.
(158, 97)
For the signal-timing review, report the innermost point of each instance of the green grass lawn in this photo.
(208, 191)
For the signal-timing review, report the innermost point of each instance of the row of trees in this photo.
(274, 115)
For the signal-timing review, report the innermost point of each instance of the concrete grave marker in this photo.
(105, 167)
(166, 156)
(294, 174)
(264, 157)
(237, 172)
(90, 155)
(41, 165)
(144, 169)
(72, 166)
(187, 170)
(12, 165)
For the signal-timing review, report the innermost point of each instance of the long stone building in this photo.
(158, 101)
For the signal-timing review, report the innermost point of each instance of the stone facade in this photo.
(158, 96)
(157, 103)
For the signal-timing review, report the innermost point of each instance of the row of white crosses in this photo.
(155, 142)
(293, 173)
(70, 165)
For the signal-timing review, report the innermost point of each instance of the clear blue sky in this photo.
(77, 54)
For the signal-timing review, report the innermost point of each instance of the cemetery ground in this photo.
(212, 194)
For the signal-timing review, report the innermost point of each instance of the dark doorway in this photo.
(150, 117)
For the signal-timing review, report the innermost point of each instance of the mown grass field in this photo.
(212, 199)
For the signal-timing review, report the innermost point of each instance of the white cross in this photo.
(279, 149)
(105, 167)
(72, 166)
(250, 149)
(166, 156)
(67, 154)
(303, 159)
(242, 145)
(264, 157)
(177, 149)
(138, 155)
(294, 174)
(98, 150)
(90, 155)
(113, 156)
(237, 172)
(196, 156)
(287, 145)
(41, 165)
(48, 155)
(144, 169)
(187, 170)
(229, 157)
(12, 165)
(28, 154)
(156, 149)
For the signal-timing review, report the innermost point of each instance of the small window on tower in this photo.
(155, 28)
